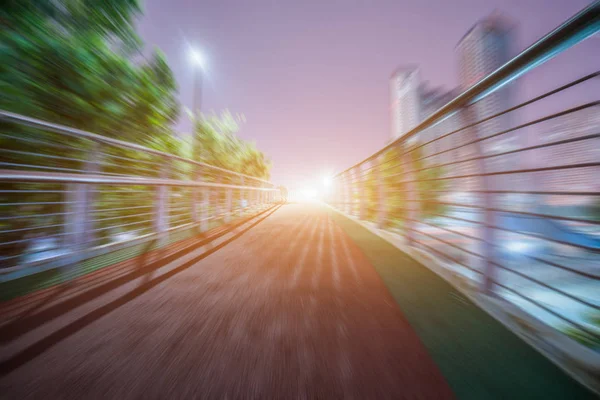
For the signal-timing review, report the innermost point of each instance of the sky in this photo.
(311, 76)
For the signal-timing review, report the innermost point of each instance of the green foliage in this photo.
(216, 143)
(76, 63)
(69, 62)
(396, 167)
(107, 17)
(583, 337)
(76, 77)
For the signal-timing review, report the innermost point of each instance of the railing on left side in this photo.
(68, 195)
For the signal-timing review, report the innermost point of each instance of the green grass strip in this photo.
(480, 358)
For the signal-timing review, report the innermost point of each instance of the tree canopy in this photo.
(80, 63)
(71, 62)
(216, 143)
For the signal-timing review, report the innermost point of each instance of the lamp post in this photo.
(199, 62)
(199, 212)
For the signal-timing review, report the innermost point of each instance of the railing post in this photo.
(196, 207)
(342, 194)
(339, 193)
(487, 230)
(242, 197)
(217, 196)
(205, 206)
(332, 199)
(412, 203)
(488, 238)
(362, 193)
(78, 221)
(75, 218)
(228, 201)
(352, 183)
(161, 211)
(347, 195)
(261, 196)
(92, 167)
(381, 193)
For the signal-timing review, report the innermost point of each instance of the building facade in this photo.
(405, 102)
(483, 49)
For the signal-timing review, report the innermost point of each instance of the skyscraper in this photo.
(405, 101)
(484, 48)
(431, 101)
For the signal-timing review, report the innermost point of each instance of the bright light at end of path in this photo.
(327, 181)
(308, 195)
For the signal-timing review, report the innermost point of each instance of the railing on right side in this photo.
(512, 217)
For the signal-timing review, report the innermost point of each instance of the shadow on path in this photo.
(25, 324)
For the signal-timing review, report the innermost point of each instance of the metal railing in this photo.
(67, 195)
(511, 218)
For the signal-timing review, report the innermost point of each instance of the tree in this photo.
(215, 143)
(74, 62)
(107, 17)
(69, 65)
(395, 166)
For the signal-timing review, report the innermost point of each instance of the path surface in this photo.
(290, 309)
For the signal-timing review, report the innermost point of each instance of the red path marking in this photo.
(292, 309)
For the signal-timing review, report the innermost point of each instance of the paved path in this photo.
(290, 309)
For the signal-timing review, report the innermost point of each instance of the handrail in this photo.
(37, 123)
(57, 177)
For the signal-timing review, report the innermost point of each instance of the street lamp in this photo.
(197, 58)
(199, 63)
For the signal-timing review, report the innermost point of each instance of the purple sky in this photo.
(311, 76)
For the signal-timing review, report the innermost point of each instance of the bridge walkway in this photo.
(299, 302)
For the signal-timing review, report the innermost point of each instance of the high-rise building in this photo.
(484, 48)
(431, 101)
(411, 103)
(405, 102)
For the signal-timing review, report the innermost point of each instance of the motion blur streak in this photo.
(460, 260)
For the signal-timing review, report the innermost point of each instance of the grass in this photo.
(480, 358)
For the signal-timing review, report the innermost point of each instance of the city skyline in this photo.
(330, 91)
(483, 48)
